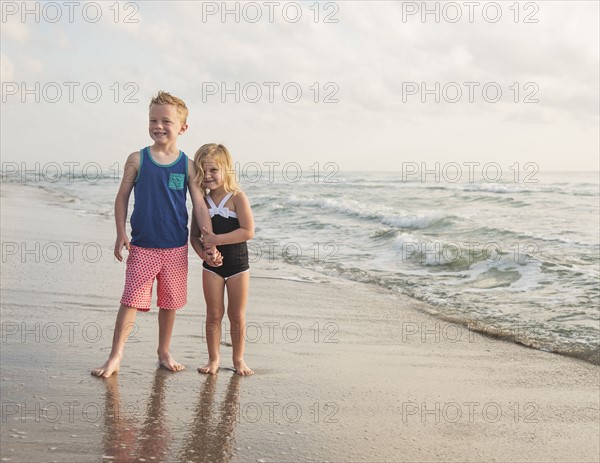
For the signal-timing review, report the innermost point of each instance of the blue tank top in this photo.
(160, 217)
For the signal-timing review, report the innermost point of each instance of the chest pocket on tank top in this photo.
(176, 181)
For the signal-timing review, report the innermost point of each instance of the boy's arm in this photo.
(199, 210)
(213, 258)
(130, 172)
(246, 230)
(195, 239)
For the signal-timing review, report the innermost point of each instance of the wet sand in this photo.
(344, 371)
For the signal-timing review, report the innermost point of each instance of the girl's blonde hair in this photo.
(220, 156)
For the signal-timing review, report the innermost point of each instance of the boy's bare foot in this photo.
(167, 361)
(110, 366)
(242, 369)
(210, 368)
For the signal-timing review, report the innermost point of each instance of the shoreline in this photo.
(344, 371)
(519, 333)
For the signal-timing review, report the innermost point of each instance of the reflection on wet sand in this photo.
(123, 440)
(154, 435)
(211, 433)
(208, 438)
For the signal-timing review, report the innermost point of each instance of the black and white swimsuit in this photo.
(235, 256)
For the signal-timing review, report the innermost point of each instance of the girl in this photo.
(233, 225)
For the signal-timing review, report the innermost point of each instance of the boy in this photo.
(160, 176)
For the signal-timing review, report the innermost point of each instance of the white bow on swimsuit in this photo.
(220, 210)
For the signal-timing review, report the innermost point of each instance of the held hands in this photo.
(212, 256)
(209, 242)
(120, 243)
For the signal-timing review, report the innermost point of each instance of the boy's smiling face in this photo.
(165, 124)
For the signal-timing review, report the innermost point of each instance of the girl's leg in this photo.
(123, 327)
(166, 320)
(214, 292)
(237, 296)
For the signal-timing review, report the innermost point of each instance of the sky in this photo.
(364, 86)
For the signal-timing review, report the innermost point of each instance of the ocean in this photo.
(516, 257)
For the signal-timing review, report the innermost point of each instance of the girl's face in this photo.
(213, 175)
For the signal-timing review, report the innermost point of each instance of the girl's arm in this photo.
(130, 172)
(242, 234)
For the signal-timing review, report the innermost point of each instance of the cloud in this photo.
(62, 39)
(14, 29)
(6, 68)
(369, 54)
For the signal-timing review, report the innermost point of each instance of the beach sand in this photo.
(344, 371)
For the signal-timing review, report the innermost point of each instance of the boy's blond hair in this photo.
(167, 98)
(220, 156)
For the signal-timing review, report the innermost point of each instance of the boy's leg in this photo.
(237, 296)
(214, 292)
(171, 289)
(123, 326)
(166, 320)
(142, 266)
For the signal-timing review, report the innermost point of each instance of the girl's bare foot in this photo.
(242, 369)
(110, 366)
(167, 361)
(210, 368)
